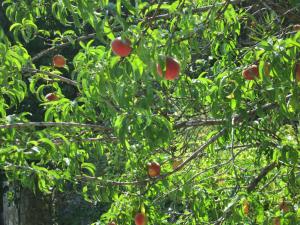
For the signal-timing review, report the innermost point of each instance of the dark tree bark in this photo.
(25, 208)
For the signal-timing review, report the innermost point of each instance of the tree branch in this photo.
(251, 187)
(156, 179)
(54, 124)
(77, 140)
(198, 152)
(197, 10)
(61, 78)
(236, 118)
(261, 175)
(63, 45)
(199, 122)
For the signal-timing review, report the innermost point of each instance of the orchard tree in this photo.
(170, 112)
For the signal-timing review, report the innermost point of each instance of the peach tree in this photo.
(224, 131)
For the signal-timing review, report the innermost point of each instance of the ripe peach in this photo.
(51, 97)
(153, 169)
(297, 71)
(140, 219)
(121, 47)
(251, 72)
(58, 61)
(172, 69)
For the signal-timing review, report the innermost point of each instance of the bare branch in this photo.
(63, 79)
(98, 180)
(54, 124)
(198, 151)
(54, 48)
(260, 176)
(251, 187)
(78, 140)
(200, 122)
(237, 118)
(197, 10)
(267, 184)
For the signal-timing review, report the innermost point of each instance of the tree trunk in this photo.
(25, 208)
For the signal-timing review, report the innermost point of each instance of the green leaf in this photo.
(89, 167)
(107, 30)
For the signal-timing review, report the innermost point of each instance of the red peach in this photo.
(172, 69)
(58, 61)
(251, 72)
(51, 97)
(297, 71)
(153, 169)
(140, 219)
(121, 47)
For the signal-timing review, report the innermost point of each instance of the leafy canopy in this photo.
(236, 141)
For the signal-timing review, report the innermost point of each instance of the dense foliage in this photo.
(235, 141)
